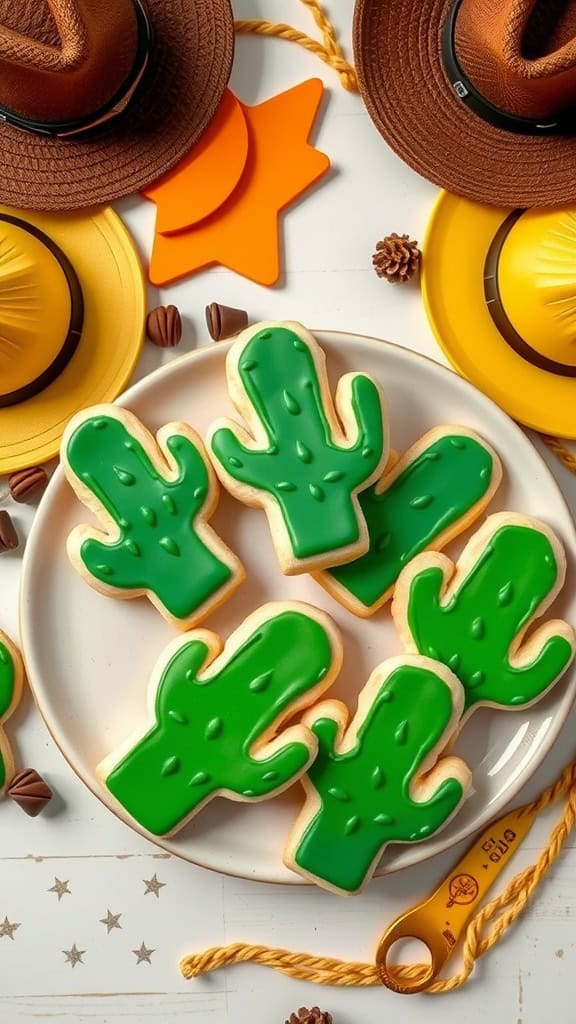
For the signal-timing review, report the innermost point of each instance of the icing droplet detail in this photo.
(316, 491)
(476, 679)
(214, 729)
(291, 404)
(149, 516)
(285, 485)
(383, 819)
(125, 478)
(104, 570)
(478, 628)
(333, 476)
(506, 594)
(178, 716)
(423, 501)
(199, 779)
(378, 778)
(457, 442)
(261, 683)
(249, 364)
(352, 825)
(454, 662)
(401, 734)
(337, 793)
(169, 504)
(133, 548)
(170, 766)
(270, 777)
(237, 463)
(303, 452)
(170, 546)
(367, 452)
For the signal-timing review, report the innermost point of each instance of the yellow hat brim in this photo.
(457, 241)
(105, 259)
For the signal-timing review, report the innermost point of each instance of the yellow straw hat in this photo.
(499, 288)
(72, 309)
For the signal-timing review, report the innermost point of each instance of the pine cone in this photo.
(313, 1016)
(397, 258)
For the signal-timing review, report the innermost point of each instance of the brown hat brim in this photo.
(397, 46)
(193, 53)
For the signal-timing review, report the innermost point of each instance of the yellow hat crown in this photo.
(537, 282)
(35, 308)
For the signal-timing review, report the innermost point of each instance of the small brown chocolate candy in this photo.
(27, 483)
(8, 536)
(30, 792)
(164, 326)
(225, 321)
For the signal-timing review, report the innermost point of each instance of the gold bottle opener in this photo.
(439, 921)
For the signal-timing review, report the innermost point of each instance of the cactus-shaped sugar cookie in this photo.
(216, 714)
(474, 616)
(306, 458)
(153, 499)
(429, 496)
(11, 682)
(378, 780)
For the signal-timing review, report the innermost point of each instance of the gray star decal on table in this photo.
(111, 921)
(74, 955)
(7, 929)
(60, 888)
(143, 955)
(153, 885)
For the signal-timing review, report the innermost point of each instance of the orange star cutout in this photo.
(250, 165)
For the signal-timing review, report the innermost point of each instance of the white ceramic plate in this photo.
(89, 657)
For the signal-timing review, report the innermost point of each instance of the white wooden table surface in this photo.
(62, 875)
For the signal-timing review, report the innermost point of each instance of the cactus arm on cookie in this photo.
(378, 780)
(153, 499)
(216, 715)
(434, 492)
(11, 683)
(473, 617)
(304, 459)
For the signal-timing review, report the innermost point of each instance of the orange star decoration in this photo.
(222, 203)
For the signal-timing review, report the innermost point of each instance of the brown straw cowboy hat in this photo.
(478, 96)
(99, 98)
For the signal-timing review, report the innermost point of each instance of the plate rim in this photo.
(164, 843)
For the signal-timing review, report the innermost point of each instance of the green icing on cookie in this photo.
(207, 726)
(158, 548)
(433, 493)
(365, 793)
(310, 477)
(474, 631)
(7, 683)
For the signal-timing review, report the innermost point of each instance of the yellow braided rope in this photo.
(500, 913)
(329, 50)
(561, 451)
